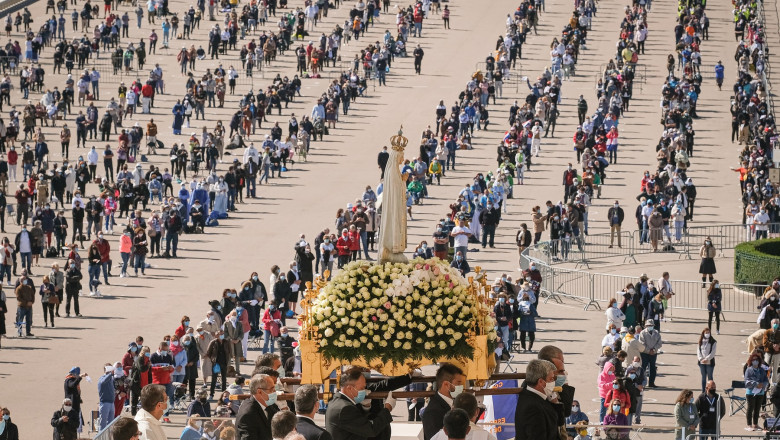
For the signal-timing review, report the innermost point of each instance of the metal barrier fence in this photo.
(593, 288)
(766, 436)
(589, 249)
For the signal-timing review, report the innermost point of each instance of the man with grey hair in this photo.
(253, 422)
(538, 410)
(306, 405)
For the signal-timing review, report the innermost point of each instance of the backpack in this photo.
(51, 252)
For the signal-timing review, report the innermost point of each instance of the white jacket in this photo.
(706, 350)
(615, 316)
(149, 426)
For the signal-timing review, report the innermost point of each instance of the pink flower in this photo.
(373, 318)
(447, 277)
(387, 305)
(427, 267)
(417, 266)
(451, 285)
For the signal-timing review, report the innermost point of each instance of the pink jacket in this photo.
(125, 244)
(605, 379)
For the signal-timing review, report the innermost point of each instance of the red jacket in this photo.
(268, 317)
(13, 156)
(105, 250)
(354, 240)
(342, 244)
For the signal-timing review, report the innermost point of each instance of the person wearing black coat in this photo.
(3, 204)
(448, 379)
(389, 384)
(191, 367)
(141, 366)
(536, 418)
(72, 287)
(11, 432)
(304, 258)
(65, 422)
(282, 293)
(345, 418)
(381, 160)
(253, 421)
(712, 408)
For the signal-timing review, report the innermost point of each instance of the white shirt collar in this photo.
(540, 394)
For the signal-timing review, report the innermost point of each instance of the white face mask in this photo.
(548, 389)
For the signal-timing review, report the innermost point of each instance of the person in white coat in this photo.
(138, 174)
(251, 153)
(154, 402)
(614, 315)
(70, 182)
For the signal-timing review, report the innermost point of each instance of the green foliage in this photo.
(757, 262)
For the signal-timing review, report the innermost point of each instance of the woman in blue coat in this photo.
(527, 325)
(178, 117)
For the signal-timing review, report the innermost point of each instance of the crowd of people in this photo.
(165, 376)
(753, 125)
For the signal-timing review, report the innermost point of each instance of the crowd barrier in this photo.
(591, 289)
(590, 249)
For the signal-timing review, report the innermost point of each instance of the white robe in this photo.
(392, 233)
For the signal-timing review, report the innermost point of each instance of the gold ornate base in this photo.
(315, 368)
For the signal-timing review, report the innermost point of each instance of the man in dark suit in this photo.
(536, 417)
(345, 418)
(253, 420)
(306, 405)
(566, 394)
(449, 383)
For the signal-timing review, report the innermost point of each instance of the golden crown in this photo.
(399, 141)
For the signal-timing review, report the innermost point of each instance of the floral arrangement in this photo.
(398, 311)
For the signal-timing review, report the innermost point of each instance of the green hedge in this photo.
(757, 262)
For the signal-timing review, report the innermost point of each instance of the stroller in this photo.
(180, 398)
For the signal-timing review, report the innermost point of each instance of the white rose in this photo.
(442, 345)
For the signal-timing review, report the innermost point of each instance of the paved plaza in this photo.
(263, 231)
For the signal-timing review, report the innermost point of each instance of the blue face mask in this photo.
(6, 417)
(632, 376)
(271, 399)
(560, 380)
(186, 323)
(148, 354)
(361, 396)
(616, 408)
(221, 336)
(133, 349)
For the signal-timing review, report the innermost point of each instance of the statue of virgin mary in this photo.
(392, 232)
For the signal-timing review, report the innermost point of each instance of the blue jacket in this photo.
(755, 377)
(106, 388)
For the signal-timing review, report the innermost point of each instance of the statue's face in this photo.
(400, 159)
